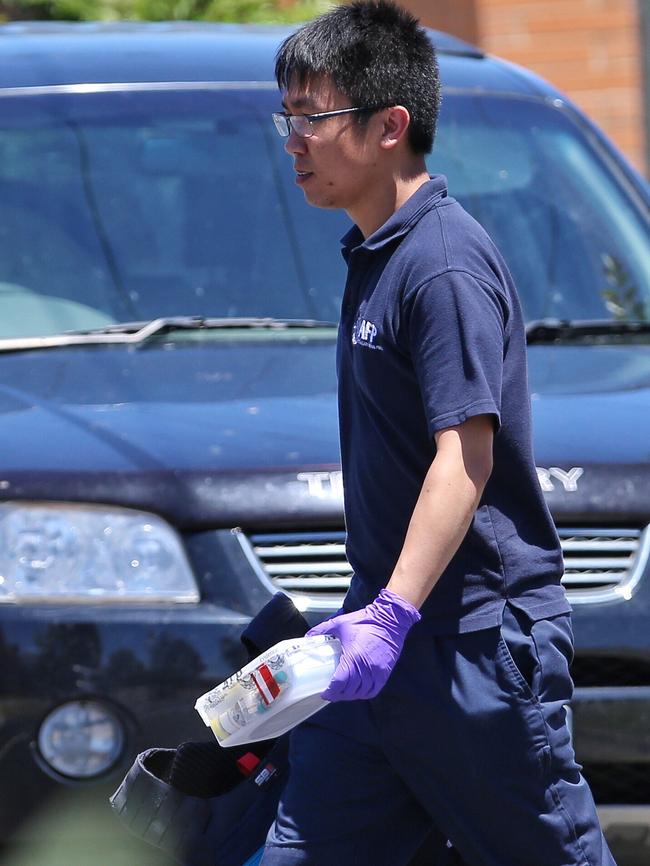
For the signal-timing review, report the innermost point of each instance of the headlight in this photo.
(81, 739)
(86, 553)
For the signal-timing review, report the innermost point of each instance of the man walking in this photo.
(447, 719)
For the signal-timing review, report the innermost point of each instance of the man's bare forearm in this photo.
(443, 513)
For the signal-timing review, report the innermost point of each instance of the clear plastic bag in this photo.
(273, 693)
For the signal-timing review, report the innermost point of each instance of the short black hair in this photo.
(375, 53)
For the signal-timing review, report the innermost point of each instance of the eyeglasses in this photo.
(301, 124)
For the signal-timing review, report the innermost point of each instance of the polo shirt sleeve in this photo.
(455, 334)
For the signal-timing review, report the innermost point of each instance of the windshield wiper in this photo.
(139, 332)
(555, 330)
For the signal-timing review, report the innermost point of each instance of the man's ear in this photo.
(396, 123)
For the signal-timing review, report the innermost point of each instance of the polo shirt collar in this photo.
(401, 222)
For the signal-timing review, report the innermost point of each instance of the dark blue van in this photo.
(168, 445)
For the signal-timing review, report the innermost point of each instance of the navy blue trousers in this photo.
(466, 752)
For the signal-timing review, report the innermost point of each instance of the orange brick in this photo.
(577, 24)
(566, 45)
(574, 76)
(550, 17)
(611, 115)
(590, 49)
(625, 33)
(459, 18)
(527, 6)
(533, 53)
(628, 139)
(576, 8)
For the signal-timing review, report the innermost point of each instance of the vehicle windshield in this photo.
(136, 205)
(141, 204)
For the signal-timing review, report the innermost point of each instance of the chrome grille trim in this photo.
(308, 570)
(601, 564)
(301, 550)
(310, 566)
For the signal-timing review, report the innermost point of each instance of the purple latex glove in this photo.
(371, 641)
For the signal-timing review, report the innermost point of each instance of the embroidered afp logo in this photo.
(365, 333)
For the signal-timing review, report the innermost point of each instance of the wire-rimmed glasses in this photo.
(301, 124)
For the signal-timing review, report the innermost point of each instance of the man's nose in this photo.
(295, 144)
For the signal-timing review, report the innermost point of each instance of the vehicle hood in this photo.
(199, 432)
(591, 414)
(225, 432)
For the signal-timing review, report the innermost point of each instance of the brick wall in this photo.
(454, 16)
(590, 49)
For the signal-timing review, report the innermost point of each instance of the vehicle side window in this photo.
(576, 247)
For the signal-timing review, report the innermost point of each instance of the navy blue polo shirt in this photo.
(432, 334)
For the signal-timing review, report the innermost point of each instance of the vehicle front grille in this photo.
(597, 560)
(312, 566)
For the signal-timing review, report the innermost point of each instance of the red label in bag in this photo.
(266, 684)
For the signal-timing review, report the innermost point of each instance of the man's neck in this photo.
(375, 209)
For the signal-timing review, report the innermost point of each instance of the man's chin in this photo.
(323, 201)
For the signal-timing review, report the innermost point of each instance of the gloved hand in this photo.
(371, 641)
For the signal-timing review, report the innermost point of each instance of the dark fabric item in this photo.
(432, 334)
(278, 620)
(196, 831)
(204, 769)
(194, 802)
(154, 811)
(467, 741)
